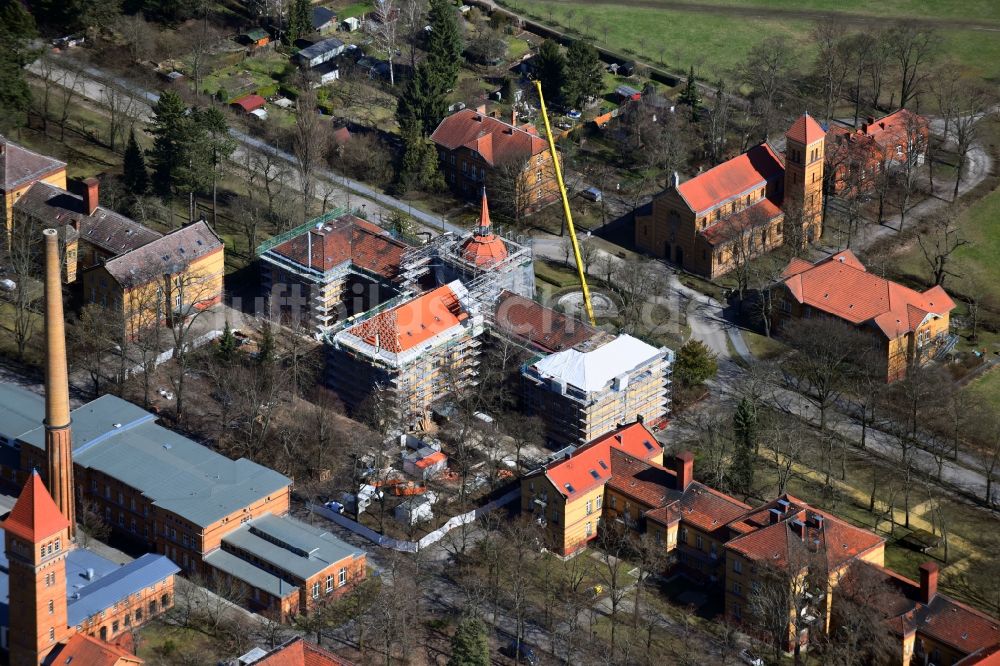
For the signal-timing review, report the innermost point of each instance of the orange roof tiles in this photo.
(645, 482)
(89, 651)
(299, 652)
(494, 140)
(840, 285)
(756, 215)
(35, 515)
(590, 465)
(805, 130)
(484, 248)
(348, 238)
(413, 322)
(749, 171)
(888, 131)
(543, 327)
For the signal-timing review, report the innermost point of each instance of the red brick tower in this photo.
(803, 204)
(37, 540)
(58, 439)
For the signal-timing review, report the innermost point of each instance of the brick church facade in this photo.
(741, 208)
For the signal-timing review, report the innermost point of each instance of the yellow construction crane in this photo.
(566, 211)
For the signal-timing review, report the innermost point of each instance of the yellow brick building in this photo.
(21, 168)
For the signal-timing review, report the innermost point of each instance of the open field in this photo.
(715, 36)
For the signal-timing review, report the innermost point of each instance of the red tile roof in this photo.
(835, 541)
(749, 171)
(346, 239)
(840, 285)
(985, 657)
(644, 482)
(414, 322)
(542, 327)
(495, 140)
(805, 130)
(249, 102)
(484, 248)
(89, 651)
(20, 166)
(888, 131)
(702, 507)
(590, 465)
(299, 652)
(35, 515)
(756, 215)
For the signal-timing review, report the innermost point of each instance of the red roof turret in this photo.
(35, 515)
(484, 248)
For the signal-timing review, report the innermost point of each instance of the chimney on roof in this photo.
(513, 116)
(675, 179)
(684, 469)
(799, 528)
(639, 418)
(481, 109)
(90, 194)
(774, 516)
(928, 581)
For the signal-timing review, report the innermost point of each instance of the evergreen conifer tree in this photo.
(584, 74)
(469, 645)
(17, 29)
(299, 20)
(134, 174)
(171, 129)
(226, 351)
(444, 45)
(745, 432)
(550, 68)
(690, 95)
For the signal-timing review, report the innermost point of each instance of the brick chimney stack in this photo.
(58, 438)
(684, 469)
(928, 581)
(90, 194)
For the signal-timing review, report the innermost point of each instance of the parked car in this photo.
(592, 194)
(7, 285)
(749, 658)
(522, 653)
(573, 114)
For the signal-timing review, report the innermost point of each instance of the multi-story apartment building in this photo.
(328, 269)
(472, 146)
(416, 352)
(907, 327)
(586, 391)
(742, 208)
(740, 551)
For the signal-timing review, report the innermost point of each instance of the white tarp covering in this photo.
(591, 371)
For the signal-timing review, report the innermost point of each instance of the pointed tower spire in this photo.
(58, 438)
(484, 217)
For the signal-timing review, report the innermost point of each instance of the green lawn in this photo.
(716, 43)
(980, 10)
(986, 388)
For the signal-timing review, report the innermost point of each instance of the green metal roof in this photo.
(257, 35)
(189, 479)
(20, 411)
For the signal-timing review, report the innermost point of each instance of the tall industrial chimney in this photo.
(58, 438)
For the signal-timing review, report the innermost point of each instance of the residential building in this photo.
(733, 550)
(417, 352)
(586, 391)
(472, 146)
(162, 281)
(907, 327)
(855, 157)
(21, 168)
(329, 269)
(89, 234)
(56, 597)
(566, 497)
(295, 652)
(742, 208)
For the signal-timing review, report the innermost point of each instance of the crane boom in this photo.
(566, 211)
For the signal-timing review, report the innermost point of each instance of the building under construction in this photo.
(588, 390)
(328, 269)
(408, 355)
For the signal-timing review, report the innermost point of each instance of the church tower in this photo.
(803, 203)
(36, 542)
(58, 438)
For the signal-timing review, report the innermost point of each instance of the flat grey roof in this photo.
(251, 575)
(123, 441)
(290, 545)
(20, 410)
(319, 48)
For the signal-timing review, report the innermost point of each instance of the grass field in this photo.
(716, 42)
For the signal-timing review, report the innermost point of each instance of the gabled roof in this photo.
(540, 326)
(321, 16)
(414, 322)
(89, 651)
(702, 507)
(757, 215)
(743, 173)
(92, 598)
(495, 140)
(325, 247)
(167, 254)
(590, 465)
(643, 481)
(593, 370)
(888, 131)
(19, 166)
(299, 652)
(840, 285)
(805, 130)
(104, 228)
(35, 516)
